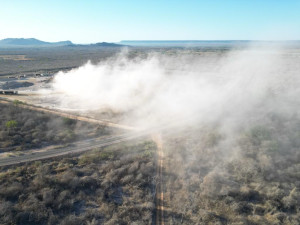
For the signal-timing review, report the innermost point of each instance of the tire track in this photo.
(159, 195)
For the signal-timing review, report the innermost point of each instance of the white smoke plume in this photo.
(157, 88)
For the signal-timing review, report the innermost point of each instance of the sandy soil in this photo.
(14, 57)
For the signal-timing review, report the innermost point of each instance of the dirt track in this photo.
(68, 115)
(75, 148)
(159, 197)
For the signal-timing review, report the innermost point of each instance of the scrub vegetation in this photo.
(248, 177)
(114, 185)
(50, 59)
(22, 129)
(230, 139)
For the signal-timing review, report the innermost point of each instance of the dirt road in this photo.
(68, 115)
(159, 198)
(75, 148)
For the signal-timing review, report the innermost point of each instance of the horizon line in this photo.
(214, 40)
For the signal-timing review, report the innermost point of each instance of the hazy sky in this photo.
(85, 21)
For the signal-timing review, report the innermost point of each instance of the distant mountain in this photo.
(99, 44)
(30, 42)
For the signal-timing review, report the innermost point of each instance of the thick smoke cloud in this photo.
(158, 88)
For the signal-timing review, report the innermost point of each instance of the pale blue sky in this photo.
(86, 21)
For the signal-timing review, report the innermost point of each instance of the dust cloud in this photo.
(236, 148)
(157, 88)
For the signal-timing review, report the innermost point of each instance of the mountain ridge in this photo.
(33, 43)
(23, 42)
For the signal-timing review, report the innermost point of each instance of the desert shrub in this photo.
(24, 129)
(11, 124)
(71, 220)
(68, 121)
(11, 191)
(66, 191)
(248, 176)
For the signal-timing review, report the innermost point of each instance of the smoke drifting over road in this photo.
(184, 84)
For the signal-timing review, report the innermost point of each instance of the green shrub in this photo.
(17, 102)
(68, 121)
(11, 124)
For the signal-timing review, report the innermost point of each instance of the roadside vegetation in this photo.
(22, 129)
(114, 185)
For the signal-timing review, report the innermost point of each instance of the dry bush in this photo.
(24, 129)
(68, 191)
(250, 177)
